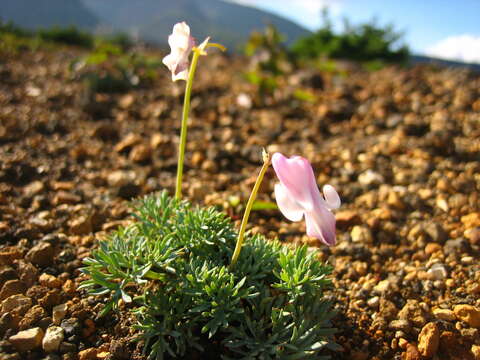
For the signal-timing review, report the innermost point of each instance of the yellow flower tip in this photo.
(265, 156)
(201, 48)
(206, 44)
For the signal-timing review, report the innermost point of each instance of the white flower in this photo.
(181, 45)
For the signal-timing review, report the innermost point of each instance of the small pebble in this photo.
(437, 272)
(49, 281)
(88, 354)
(444, 314)
(15, 302)
(52, 339)
(468, 314)
(403, 325)
(71, 326)
(373, 302)
(66, 347)
(361, 234)
(41, 254)
(475, 349)
(370, 177)
(412, 353)
(383, 286)
(27, 339)
(58, 313)
(428, 340)
(12, 287)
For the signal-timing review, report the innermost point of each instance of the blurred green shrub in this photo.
(14, 38)
(122, 40)
(67, 35)
(364, 43)
(11, 28)
(269, 60)
(267, 50)
(111, 69)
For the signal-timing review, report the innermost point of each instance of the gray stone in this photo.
(27, 339)
(71, 326)
(66, 347)
(59, 313)
(438, 271)
(403, 325)
(52, 339)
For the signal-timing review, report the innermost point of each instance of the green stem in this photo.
(183, 131)
(155, 275)
(251, 200)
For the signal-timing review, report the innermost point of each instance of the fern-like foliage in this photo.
(172, 265)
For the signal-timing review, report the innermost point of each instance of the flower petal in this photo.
(296, 174)
(180, 38)
(182, 75)
(331, 197)
(321, 225)
(288, 207)
(181, 44)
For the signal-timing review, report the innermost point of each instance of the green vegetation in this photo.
(12, 29)
(366, 43)
(14, 38)
(269, 60)
(171, 268)
(112, 67)
(68, 35)
(55, 35)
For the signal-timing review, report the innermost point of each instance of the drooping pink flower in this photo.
(181, 45)
(298, 195)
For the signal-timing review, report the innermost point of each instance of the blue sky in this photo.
(442, 28)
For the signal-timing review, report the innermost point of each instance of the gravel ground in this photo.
(401, 146)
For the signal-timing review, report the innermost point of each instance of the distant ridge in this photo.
(226, 23)
(34, 14)
(420, 59)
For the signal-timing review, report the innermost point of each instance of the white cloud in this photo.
(461, 48)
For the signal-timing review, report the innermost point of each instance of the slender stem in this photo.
(251, 200)
(183, 131)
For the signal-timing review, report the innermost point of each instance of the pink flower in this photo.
(181, 45)
(297, 195)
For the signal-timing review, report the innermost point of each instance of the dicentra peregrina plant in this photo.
(181, 272)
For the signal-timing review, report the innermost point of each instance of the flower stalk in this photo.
(251, 200)
(184, 125)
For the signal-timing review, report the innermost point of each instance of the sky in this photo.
(448, 29)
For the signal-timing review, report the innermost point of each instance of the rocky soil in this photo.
(401, 146)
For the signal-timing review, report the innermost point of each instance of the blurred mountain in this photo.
(420, 59)
(152, 20)
(34, 14)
